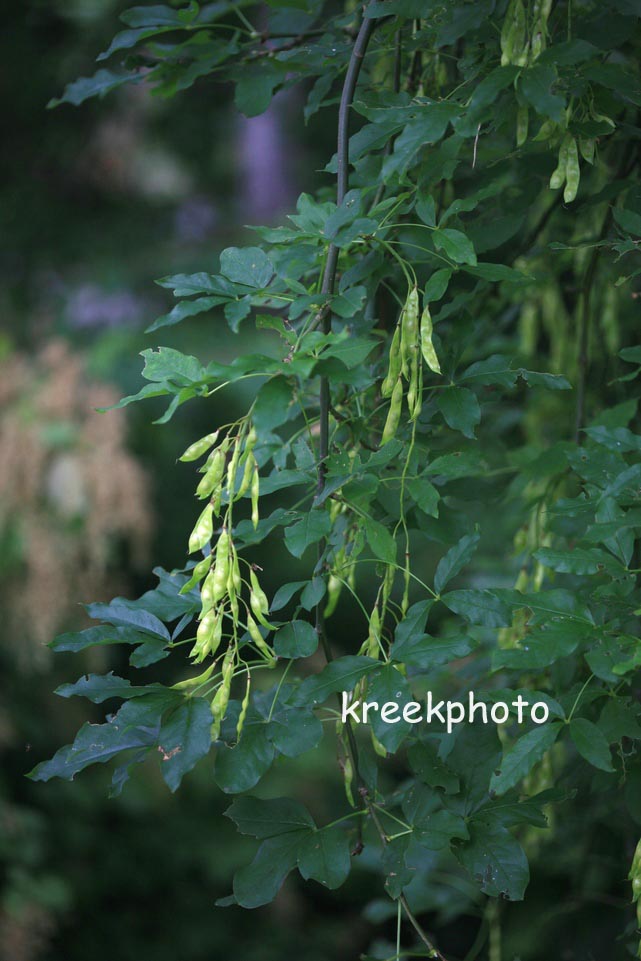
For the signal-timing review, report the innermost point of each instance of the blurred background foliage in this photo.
(96, 203)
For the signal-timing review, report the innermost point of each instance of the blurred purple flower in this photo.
(89, 306)
(264, 175)
(195, 220)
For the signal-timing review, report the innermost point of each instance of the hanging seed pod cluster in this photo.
(412, 340)
(228, 600)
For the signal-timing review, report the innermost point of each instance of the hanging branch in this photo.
(327, 289)
(329, 274)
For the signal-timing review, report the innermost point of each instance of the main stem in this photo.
(327, 289)
(329, 274)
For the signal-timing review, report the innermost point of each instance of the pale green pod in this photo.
(203, 530)
(427, 345)
(394, 413)
(199, 447)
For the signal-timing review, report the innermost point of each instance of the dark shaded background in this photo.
(96, 203)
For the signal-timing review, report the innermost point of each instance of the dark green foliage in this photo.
(526, 484)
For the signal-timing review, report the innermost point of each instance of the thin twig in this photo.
(327, 289)
(403, 900)
(583, 359)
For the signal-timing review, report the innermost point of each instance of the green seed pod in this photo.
(601, 117)
(193, 682)
(208, 635)
(232, 468)
(229, 662)
(259, 640)
(427, 346)
(587, 147)
(220, 573)
(200, 447)
(394, 368)
(208, 593)
(635, 868)
(248, 475)
(394, 413)
(373, 637)
(258, 593)
(243, 708)
(334, 588)
(409, 330)
(221, 697)
(348, 780)
(213, 476)
(572, 172)
(235, 572)
(545, 132)
(522, 121)
(255, 494)
(199, 571)
(558, 176)
(537, 45)
(513, 34)
(202, 532)
(376, 744)
(415, 392)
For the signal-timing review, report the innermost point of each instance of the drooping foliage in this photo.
(448, 368)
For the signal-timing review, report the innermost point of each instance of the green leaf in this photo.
(136, 725)
(249, 266)
(313, 593)
(424, 494)
(294, 731)
(628, 220)
(535, 84)
(380, 540)
(455, 244)
(341, 674)
(460, 408)
(591, 743)
(173, 369)
(284, 594)
(240, 768)
(519, 760)
(310, 529)
(272, 405)
(437, 285)
(260, 881)
(267, 818)
(296, 639)
(324, 856)
(543, 645)
(100, 687)
(185, 738)
(105, 634)
(578, 560)
(413, 623)
(479, 607)
(387, 685)
(430, 769)
(424, 653)
(495, 860)
(101, 83)
(435, 831)
(118, 614)
(455, 560)
(255, 88)
(487, 91)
